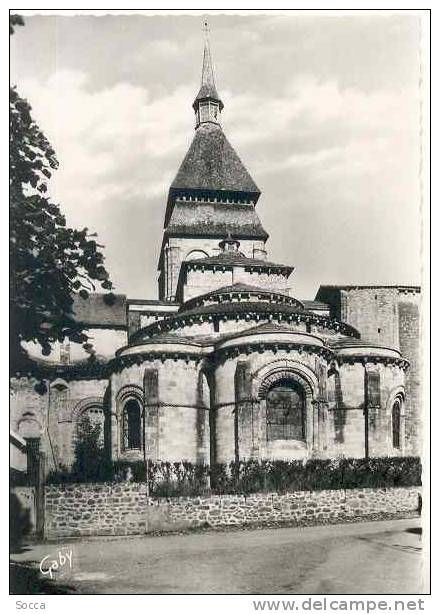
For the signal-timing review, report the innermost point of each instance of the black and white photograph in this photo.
(219, 306)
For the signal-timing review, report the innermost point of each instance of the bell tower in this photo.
(212, 195)
(207, 104)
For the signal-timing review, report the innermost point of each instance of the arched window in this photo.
(285, 411)
(396, 419)
(132, 425)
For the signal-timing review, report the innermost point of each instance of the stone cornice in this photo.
(231, 294)
(269, 268)
(372, 358)
(123, 362)
(276, 339)
(39, 370)
(298, 342)
(179, 347)
(261, 346)
(326, 352)
(367, 350)
(250, 311)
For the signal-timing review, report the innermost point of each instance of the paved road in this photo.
(371, 557)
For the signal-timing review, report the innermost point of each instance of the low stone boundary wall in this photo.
(124, 509)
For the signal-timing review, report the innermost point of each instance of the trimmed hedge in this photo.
(245, 477)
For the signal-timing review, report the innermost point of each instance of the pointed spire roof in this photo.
(207, 87)
(212, 171)
(212, 164)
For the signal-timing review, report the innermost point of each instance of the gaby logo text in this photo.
(53, 562)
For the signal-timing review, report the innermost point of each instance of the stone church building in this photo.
(227, 364)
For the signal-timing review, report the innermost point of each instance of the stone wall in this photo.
(125, 509)
(410, 337)
(200, 282)
(52, 416)
(175, 427)
(178, 249)
(390, 316)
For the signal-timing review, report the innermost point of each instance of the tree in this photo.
(90, 462)
(49, 261)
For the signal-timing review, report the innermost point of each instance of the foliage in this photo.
(15, 20)
(49, 261)
(246, 477)
(89, 451)
(320, 474)
(91, 463)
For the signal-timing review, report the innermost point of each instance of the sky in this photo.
(324, 111)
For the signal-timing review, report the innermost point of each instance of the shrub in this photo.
(245, 477)
(91, 463)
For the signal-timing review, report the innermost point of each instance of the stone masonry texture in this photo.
(125, 509)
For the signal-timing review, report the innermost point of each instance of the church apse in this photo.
(226, 363)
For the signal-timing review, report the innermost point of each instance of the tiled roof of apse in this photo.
(101, 310)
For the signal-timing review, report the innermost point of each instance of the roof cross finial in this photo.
(206, 30)
(207, 95)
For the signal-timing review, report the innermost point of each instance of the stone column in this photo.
(202, 420)
(315, 426)
(151, 413)
(243, 412)
(114, 426)
(256, 430)
(374, 429)
(320, 408)
(261, 441)
(173, 269)
(320, 420)
(409, 342)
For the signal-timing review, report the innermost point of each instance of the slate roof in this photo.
(240, 307)
(234, 259)
(237, 288)
(159, 303)
(212, 164)
(233, 308)
(315, 305)
(350, 342)
(215, 220)
(97, 311)
(168, 338)
(207, 88)
(267, 327)
(331, 293)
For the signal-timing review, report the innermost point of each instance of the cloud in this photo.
(109, 142)
(335, 152)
